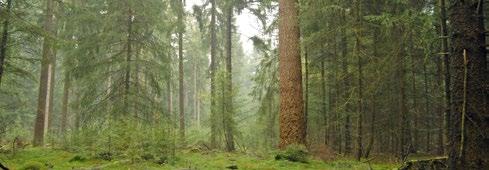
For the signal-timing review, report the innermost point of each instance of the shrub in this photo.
(294, 153)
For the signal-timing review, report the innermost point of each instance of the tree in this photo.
(213, 69)
(47, 75)
(469, 120)
(5, 36)
(292, 118)
(228, 115)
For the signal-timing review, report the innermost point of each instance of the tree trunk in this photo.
(45, 85)
(345, 89)
(360, 83)
(213, 116)
(196, 94)
(415, 107)
(180, 73)
(228, 123)
(446, 62)
(5, 36)
(427, 109)
(470, 118)
(323, 103)
(66, 99)
(127, 78)
(292, 118)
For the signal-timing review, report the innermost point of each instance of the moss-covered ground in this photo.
(43, 159)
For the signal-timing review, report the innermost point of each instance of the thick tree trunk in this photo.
(470, 118)
(45, 85)
(5, 36)
(292, 118)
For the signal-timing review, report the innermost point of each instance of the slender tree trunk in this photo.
(45, 85)
(180, 72)
(323, 103)
(196, 94)
(470, 117)
(306, 92)
(405, 136)
(346, 85)
(66, 99)
(427, 108)
(439, 109)
(292, 118)
(213, 116)
(360, 82)
(228, 126)
(415, 107)
(446, 62)
(127, 78)
(5, 36)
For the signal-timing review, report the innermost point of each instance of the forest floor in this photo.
(45, 159)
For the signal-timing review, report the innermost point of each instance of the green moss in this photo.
(39, 157)
(33, 166)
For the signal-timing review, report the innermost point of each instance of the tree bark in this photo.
(360, 82)
(47, 67)
(292, 118)
(5, 36)
(470, 117)
(346, 85)
(66, 98)
(447, 74)
(213, 116)
(180, 72)
(228, 123)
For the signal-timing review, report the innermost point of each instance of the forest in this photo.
(244, 84)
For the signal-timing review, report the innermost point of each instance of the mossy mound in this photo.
(294, 153)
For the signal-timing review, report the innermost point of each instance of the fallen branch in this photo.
(427, 164)
(3, 167)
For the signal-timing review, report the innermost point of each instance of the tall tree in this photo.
(228, 115)
(470, 117)
(5, 36)
(292, 118)
(213, 110)
(46, 84)
(181, 29)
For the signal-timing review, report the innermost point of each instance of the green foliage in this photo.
(33, 166)
(78, 158)
(212, 160)
(294, 153)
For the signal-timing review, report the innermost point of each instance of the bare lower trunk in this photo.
(45, 85)
(228, 123)
(292, 118)
(5, 36)
(213, 116)
(470, 117)
(66, 99)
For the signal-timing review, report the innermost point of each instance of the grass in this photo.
(59, 159)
